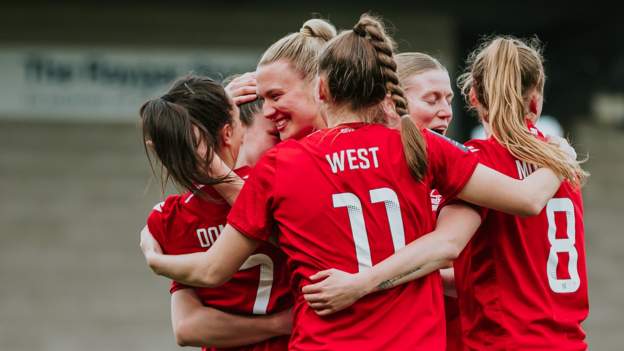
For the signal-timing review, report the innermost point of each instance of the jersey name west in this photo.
(352, 159)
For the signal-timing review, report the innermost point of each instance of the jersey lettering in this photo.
(355, 159)
(207, 236)
(524, 169)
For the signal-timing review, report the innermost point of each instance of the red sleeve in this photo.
(175, 286)
(156, 227)
(155, 223)
(252, 212)
(450, 164)
(482, 211)
(474, 147)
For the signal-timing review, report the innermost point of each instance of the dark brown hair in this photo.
(360, 70)
(167, 125)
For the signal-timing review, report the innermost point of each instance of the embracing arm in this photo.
(197, 325)
(456, 225)
(489, 188)
(211, 268)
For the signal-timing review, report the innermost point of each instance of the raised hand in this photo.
(243, 89)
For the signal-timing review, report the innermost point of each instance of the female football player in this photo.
(429, 94)
(521, 281)
(314, 195)
(184, 129)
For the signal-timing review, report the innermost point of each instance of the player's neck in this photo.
(227, 158)
(244, 159)
(335, 118)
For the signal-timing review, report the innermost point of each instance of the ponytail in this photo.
(414, 148)
(360, 70)
(301, 49)
(502, 74)
(168, 126)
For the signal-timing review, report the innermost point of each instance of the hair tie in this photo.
(167, 98)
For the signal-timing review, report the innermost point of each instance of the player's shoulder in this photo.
(433, 138)
(487, 149)
(243, 172)
(161, 214)
(169, 202)
(172, 205)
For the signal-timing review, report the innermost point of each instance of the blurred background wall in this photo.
(76, 187)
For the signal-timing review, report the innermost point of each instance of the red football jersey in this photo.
(522, 281)
(188, 223)
(344, 198)
(451, 307)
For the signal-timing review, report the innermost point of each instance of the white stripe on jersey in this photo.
(159, 206)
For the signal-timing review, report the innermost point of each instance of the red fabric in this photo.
(309, 192)
(451, 308)
(453, 325)
(505, 295)
(187, 223)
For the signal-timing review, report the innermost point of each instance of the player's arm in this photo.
(490, 188)
(197, 325)
(456, 225)
(210, 269)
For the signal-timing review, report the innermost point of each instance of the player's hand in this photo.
(149, 246)
(337, 291)
(243, 89)
(282, 322)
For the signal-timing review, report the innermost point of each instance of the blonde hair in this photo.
(413, 63)
(503, 71)
(302, 48)
(360, 69)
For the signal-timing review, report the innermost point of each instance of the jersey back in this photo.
(189, 223)
(344, 198)
(522, 281)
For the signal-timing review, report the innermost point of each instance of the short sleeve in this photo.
(482, 211)
(476, 148)
(252, 213)
(175, 286)
(155, 223)
(450, 164)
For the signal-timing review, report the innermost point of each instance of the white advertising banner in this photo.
(101, 83)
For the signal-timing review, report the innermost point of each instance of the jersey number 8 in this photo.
(562, 245)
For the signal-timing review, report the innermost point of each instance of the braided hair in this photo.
(360, 71)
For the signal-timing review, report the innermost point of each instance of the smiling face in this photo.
(429, 95)
(288, 100)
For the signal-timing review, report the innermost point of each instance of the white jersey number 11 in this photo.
(358, 227)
